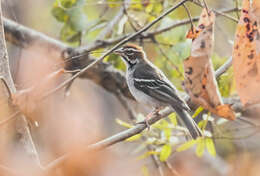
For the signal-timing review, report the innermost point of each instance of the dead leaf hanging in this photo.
(200, 81)
(246, 54)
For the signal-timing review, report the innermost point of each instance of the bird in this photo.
(149, 85)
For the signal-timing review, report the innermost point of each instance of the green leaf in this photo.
(197, 112)
(60, 14)
(134, 138)
(225, 83)
(124, 124)
(202, 124)
(165, 152)
(200, 147)
(158, 8)
(167, 132)
(151, 18)
(145, 171)
(116, 61)
(149, 8)
(78, 19)
(136, 4)
(163, 124)
(68, 34)
(186, 145)
(147, 154)
(210, 146)
(67, 3)
(114, 3)
(173, 119)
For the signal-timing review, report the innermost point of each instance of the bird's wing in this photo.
(156, 85)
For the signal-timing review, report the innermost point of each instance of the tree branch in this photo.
(24, 141)
(105, 43)
(217, 12)
(119, 137)
(110, 26)
(103, 74)
(223, 68)
(100, 59)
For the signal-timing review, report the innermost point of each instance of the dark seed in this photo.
(251, 56)
(202, 45)
(246, 20)
(245, 11)
(189, 71)
(201, 26)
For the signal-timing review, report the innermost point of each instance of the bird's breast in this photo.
(139, 95)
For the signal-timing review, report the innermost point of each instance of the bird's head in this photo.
(131, 54)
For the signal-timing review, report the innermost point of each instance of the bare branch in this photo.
(105, 43)
(21, 126)
(223, 68)
(119, 137)
(103, 74)
(173, 171)
(22, 36)
(110, 26)
(189, 15)
(156, 161)
(216, 11)
(145, 28)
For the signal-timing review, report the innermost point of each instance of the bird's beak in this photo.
(118, 51)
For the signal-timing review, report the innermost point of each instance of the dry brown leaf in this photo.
(200, 81)
(246, 54)
(256, 9)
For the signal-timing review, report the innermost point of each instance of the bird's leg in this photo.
(155, 111)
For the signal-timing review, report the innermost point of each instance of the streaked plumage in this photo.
(150, 86)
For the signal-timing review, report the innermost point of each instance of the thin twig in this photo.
(156, 160)
(14, 31)
(130, 18)
(237, 13)
(217, 12)
(189, 15)
(223, 68)
(115, 47)
(166, 56)
(246, 121)
(173, 171)
(119, 137)
(21, 126)
(110, 26)
(206, 6)
(237, 138)
(143, 138)
(6, 86)
(124, 103)
(13, 116)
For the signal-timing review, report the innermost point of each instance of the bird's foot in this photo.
(149, 116)
(145, 122)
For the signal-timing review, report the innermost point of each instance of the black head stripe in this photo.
(131, 64)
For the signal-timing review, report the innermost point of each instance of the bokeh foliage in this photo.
(83, 20)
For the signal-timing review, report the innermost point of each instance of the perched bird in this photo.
(150, 86)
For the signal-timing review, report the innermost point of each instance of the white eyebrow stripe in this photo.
(144, 80)
(132, 49)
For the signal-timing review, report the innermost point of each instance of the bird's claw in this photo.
(145, 122)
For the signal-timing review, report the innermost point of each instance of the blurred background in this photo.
(60, 124)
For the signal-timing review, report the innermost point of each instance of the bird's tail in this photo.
(189, 123)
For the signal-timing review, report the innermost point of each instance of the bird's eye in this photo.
(129, 53)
